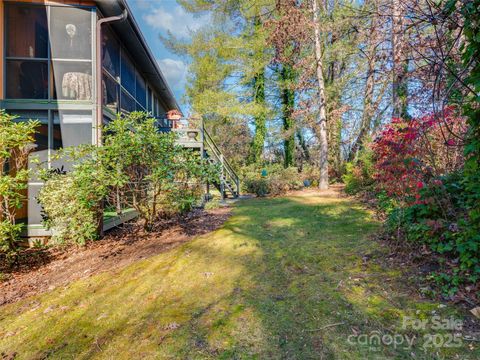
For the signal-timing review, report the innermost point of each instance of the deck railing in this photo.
(201, 139)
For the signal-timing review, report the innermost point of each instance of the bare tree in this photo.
(400, 63)
(369, 107)
(321, 128)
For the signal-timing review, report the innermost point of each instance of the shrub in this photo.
(137, 167)
(284, 180)
(275, 180)
(438, 219)
(72, 219)
(409, 153)
(212, 204)
(143, 164)
(384, 203)
(190, 173)
(15, 140)
(151, 173)
(471, 108)
(358, 174)
(259, 187)
(419, 168)
(310, 174)
(71, 201)
(254, 180)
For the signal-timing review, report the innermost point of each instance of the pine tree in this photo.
(228, 60)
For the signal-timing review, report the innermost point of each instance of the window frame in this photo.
(49, 59)
(118, 79)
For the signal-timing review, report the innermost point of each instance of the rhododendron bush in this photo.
(410, 154)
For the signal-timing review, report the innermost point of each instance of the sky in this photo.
(157, 17)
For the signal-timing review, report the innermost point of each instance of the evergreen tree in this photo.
(228, 60)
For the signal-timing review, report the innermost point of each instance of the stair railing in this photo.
(226, 168)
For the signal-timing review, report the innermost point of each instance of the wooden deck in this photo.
(189, 138)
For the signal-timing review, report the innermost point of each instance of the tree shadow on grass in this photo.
(284, 278)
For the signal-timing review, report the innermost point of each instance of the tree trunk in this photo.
(368, 107)
(322, 112)
(303, 145)
(400, 63)
(288, 103)
(258, 143)
(260, 120)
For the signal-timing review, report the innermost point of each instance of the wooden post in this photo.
(202, 138)
(203, 157)
(222, 178)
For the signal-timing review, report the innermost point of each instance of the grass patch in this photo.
(283, 278)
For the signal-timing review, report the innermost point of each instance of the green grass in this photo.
(283, 278)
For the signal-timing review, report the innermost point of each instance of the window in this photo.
(72, 80)
(128, 74)
(127, 103)
(70, 33)
(70, 128)
(75, 127)
(26, 37)
(71, 41)
(141, 88)
(155, 104)
(41, 143)
(161, 110)
(110, 53)
(33, 69)
(110, 93)
(26, 31)
(134, 93)
(149, 101)
(26, 79)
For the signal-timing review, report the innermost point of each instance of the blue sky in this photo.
(157, 17)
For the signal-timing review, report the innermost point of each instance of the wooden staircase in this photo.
(229, 182)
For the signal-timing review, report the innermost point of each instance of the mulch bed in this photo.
(41, 270)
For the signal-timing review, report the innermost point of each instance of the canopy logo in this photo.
(374, 340)
(445, 333)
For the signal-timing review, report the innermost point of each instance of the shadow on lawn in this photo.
(284, 278)
(317, 281)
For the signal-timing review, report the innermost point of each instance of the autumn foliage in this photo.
(409, 154)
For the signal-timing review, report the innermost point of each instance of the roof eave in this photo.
(125, 29)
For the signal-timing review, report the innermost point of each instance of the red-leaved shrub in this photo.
(410, 153)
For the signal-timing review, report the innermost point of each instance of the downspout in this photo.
(98, 54)
(99, 94)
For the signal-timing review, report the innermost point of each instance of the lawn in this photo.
(292, 278)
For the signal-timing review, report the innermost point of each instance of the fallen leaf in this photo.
(172, 326)
(102, 316)
(48, 309)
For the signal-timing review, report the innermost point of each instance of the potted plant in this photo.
(192, 134)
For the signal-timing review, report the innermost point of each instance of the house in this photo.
(73, 65)
(51, 73)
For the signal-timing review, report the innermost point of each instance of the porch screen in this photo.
(26, 51)
(71, 48)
